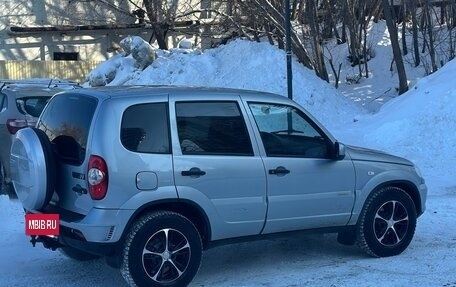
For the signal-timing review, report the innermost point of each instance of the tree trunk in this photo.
(157, 27)
(416, 48)
(430, 33)
(320, 67)
(392, 29)
(404, 30)
(160, 35)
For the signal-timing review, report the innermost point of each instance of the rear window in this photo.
(32, 106)
(145, 128)
(66, 121)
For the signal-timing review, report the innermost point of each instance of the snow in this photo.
(419, 125)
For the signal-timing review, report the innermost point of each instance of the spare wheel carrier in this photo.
(33, 168)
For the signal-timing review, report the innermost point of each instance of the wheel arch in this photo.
(187, 208)
(362, 196)
(408, 186)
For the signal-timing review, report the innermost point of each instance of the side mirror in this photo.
(339, 151)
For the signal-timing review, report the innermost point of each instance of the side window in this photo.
(145, 128)
(209, 128)
(286, 131)
(32, 106)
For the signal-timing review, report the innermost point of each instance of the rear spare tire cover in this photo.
(32, 168)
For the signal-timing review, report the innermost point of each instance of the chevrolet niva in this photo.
(149, 177)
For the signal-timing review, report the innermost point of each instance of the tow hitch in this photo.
(48, 242)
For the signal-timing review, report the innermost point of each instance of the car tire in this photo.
(163, 248)
(387, 222)
(33, 168)
(76, 254)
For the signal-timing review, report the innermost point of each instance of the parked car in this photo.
(149, 177)
(21, 103)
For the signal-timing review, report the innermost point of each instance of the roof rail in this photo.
(42, 82)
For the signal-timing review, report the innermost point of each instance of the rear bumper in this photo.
(97, 226)
(101, 249)
(99, 232)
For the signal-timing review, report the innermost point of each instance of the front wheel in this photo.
(387, 222)
(162, 249)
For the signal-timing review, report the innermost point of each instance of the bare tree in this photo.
(392, 29)
(319, 61)
(416, 52)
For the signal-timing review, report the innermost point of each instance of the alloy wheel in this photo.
(166, 255)
(391, 223)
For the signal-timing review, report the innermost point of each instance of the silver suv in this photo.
(21, 103)
(151, 176)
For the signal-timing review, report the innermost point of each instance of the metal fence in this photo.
(70, 70)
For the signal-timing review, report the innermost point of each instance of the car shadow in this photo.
(267, 256)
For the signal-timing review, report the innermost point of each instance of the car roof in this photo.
(147, 90)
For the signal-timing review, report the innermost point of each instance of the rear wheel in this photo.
(162, 249)
(387, 222)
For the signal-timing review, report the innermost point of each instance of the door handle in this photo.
(193, 172)
(280, 171)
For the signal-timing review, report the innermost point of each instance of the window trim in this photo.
(206, 153)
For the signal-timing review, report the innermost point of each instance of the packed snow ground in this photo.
(419, 125)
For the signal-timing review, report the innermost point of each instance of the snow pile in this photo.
(419, 125)
(240, 64)
(139, 49)
(382, 83)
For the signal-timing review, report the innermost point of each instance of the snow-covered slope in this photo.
(419, 124)
(239, 64)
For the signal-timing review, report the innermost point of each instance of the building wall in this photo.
(89, 45)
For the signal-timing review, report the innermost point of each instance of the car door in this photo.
(306, 187)
(216, 164)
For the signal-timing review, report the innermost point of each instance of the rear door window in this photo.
(68, 128)
(145, 128)
(212, 128)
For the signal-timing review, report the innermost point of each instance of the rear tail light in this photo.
(97, 177)
(13, 125)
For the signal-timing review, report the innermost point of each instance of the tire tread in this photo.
(360, 234)
(124, 268)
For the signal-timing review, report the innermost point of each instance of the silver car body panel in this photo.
(233, 190)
